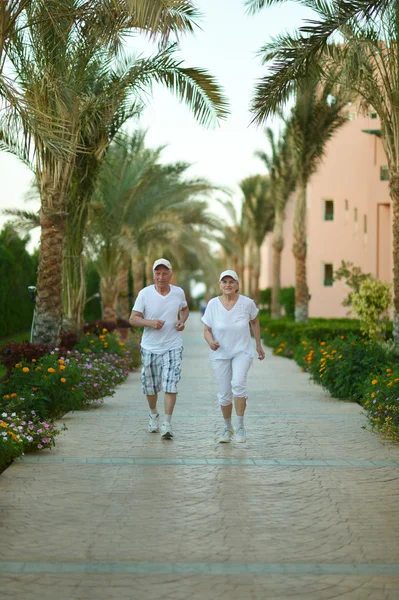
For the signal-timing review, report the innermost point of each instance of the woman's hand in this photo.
(261, 352)
(214, 345)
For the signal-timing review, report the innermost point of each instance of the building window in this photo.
(346, 210)
(365, 228)
(329, 210)
(355, 218)
(384, 173)
(373, 115)
(328, 275)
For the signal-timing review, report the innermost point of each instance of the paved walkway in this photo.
(307, 509)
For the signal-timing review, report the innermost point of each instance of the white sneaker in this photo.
(166, 431)
(226, 436)
(241, 435)
(153, 424)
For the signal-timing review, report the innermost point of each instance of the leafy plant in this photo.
(353, 277)
(371, 303)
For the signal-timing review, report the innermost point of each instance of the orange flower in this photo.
(51, 370)
(374, 382)
(25, 370)
(61, 361)
(62, 367)
(34, 360)
(322, 343)
(34, 389)
(63, 380)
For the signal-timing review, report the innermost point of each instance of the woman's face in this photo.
(228, 286)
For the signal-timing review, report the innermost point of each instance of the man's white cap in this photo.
(228, 273)
(162, 261)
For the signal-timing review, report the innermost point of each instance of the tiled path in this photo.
(307, 509)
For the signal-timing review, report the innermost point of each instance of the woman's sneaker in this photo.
(241, 435)
(166, 431)
(226, 436)
(153, 424)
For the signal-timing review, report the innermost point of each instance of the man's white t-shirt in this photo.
(154, 306)
(231, 327)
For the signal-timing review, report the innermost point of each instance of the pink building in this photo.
(349, 217)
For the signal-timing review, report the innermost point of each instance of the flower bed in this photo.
(349, 367)
(46, 386)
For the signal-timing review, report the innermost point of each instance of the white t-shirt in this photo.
(154, 306)
(231, 327)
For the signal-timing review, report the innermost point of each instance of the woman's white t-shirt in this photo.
(154, 306)
(231, 327)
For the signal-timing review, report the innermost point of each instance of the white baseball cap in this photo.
(162, 261)
(228, 273)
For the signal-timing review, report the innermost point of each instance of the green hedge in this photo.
(17, 271)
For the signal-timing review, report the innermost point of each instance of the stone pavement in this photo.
(307, 509)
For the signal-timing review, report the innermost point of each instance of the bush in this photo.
(17, 271)
(98, 327)
(342, 365)
(19, 433)
(14, 352)
(371, 304)
(287, 301)
(381, 401)
(49, 386)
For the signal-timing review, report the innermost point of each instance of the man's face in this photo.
(162, 276)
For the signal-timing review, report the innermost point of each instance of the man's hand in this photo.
(180, 325)
(157, 324)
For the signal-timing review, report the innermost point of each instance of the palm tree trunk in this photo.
(256, 274)
(48, 312)
(109, 296)
(278, 246)
(299, 251)
(149, 276)
(123, 305)
(394, 193)
(138, 274)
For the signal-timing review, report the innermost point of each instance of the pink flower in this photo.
(39, 446)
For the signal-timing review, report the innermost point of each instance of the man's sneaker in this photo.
(153, 424)
(241, 435)
(166, 431)
(226, 436)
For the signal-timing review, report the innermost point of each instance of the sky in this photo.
(226, 45)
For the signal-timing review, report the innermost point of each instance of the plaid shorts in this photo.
(160, 370)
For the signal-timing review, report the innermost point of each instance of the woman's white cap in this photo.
(228, 273)
(162, 261)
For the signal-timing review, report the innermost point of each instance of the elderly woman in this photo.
(227, 319)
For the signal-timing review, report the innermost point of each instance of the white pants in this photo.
(231, 376)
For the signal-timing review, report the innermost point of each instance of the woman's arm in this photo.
(256, 331)
(213, 344)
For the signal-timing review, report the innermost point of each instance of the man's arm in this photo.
(137, 320)
(183, 316)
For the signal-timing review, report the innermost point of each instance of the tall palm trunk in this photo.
(299, 251)
(74, 268)
(149, 276)
(123, 305)
(278, 246)
(138, 273)
(256, 273)
(48, 310)
(394, 193)
(109, 296)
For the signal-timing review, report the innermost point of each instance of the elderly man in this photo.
(162, 310)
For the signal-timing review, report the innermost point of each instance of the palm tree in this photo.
(280, 165)
(259, 209)
(55, 67)
(234, 239)
(367, 60)
(140, 205)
